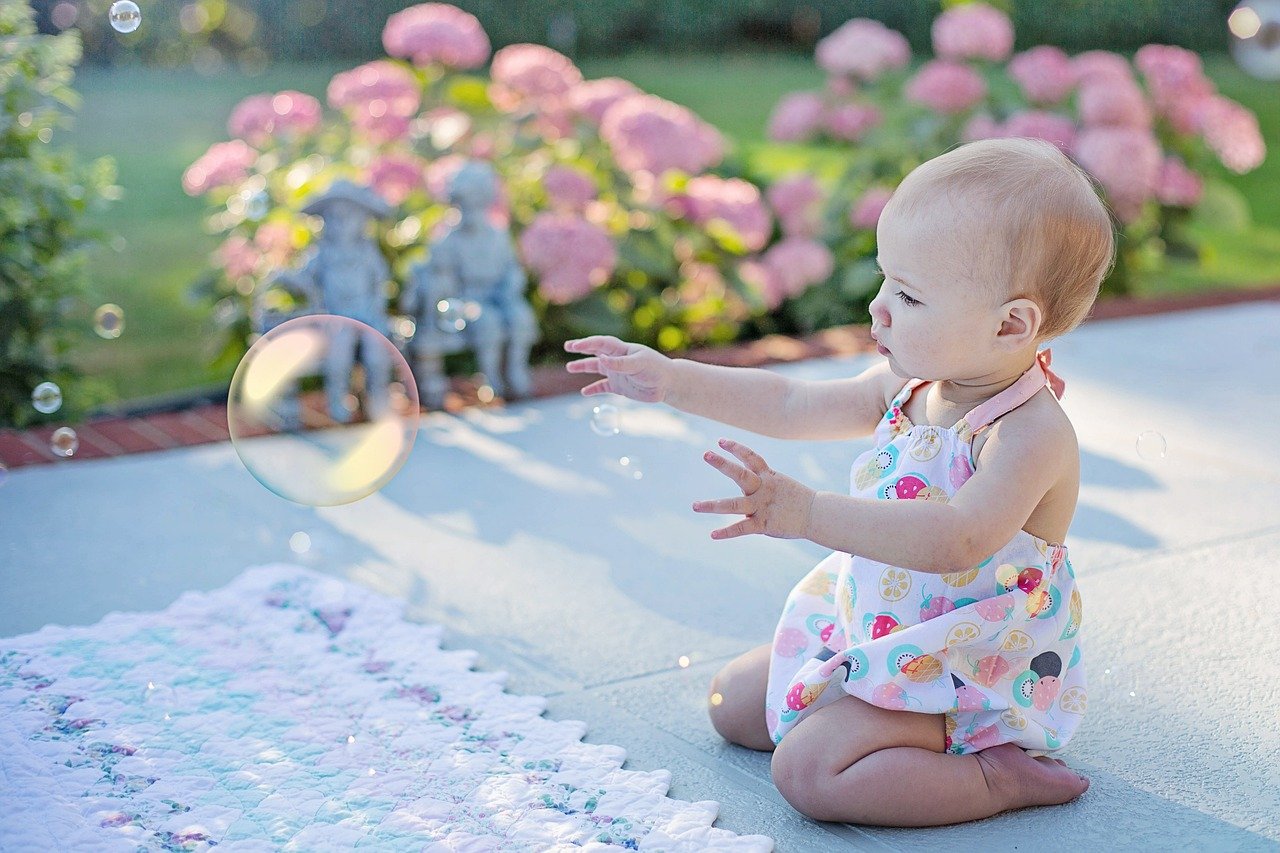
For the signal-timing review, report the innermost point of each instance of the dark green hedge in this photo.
(311, 29)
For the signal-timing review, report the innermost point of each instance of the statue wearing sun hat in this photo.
(345, 274)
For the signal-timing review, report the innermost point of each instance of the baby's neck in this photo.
(964, 394)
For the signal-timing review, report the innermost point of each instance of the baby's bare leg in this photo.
(739, 716)
(909, 786)
(855, 762)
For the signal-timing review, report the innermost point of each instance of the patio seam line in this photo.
(849, 833)
(553, 380)
(152, 433)
(1185, 550)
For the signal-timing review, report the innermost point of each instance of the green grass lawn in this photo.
(155, 123)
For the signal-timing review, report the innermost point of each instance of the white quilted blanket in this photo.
(289, 710)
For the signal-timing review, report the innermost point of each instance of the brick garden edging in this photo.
(118, 436)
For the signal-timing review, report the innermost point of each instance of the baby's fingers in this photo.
(599, 344)
(600, 386)
(584, 365)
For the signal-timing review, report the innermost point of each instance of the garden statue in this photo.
(469, 294)
(346, 275)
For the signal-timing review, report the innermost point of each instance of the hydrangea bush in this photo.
(44, 197)
(1149, 131)
(610, 192)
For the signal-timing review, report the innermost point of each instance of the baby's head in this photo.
(987, 251)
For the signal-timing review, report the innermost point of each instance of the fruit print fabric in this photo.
(995, 647)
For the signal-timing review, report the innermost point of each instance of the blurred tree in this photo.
(44, 195)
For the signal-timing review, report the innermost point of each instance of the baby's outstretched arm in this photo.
(747, 397)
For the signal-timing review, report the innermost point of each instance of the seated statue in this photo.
(345, 274)
(474, 264)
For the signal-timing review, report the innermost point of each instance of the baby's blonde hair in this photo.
(1046, 213)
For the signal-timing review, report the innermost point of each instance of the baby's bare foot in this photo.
(1020, 780)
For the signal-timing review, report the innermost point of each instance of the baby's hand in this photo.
(632, 370)
(773, 503)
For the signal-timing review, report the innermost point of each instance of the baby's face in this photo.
(931, 312)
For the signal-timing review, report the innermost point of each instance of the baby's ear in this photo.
(1021, 323)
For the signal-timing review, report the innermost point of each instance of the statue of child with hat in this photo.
(346, 275)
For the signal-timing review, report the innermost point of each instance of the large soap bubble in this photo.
(317, 440)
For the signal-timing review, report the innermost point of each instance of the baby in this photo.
(924, 671)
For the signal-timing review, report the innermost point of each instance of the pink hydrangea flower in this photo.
(850, 122)
(733, 200)
(379, 81)
(1045, 73)
(569, 188)
(259, 117)
(973, 31)
(1125, 160)
(223, 164)
(1100, 65)
(1116, 102)
(799, 263)
(236, 256)
(569, 255)
(275, 241)
(436, 33)
(1171, 73)
(796, 117)
(592, 98)
(380, 97)
(1176, 185)
(862, 48)
(380, 126)
(946, 86)
(523, 72)
(648, 133)
(1232, 132)
(797, 202)
(981, 126)
(396, 176)
(866, 211)
(1038, 124)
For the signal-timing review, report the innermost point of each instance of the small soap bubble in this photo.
(605, 420)
(108, 321)
(684, 661)
(631, 466)
(299, 543)
(159, 698)
(364, 410)
(351, 738)
(125, 16)
(1151, 445)
(46, 398)
(64, 441)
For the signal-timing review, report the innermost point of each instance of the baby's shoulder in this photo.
(1041, 424)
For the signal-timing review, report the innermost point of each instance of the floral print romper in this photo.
(993, 647)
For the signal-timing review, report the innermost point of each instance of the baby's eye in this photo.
(908, 299)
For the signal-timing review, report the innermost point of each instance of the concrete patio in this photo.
(519, 529)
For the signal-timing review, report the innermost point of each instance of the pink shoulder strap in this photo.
(1036, 377)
